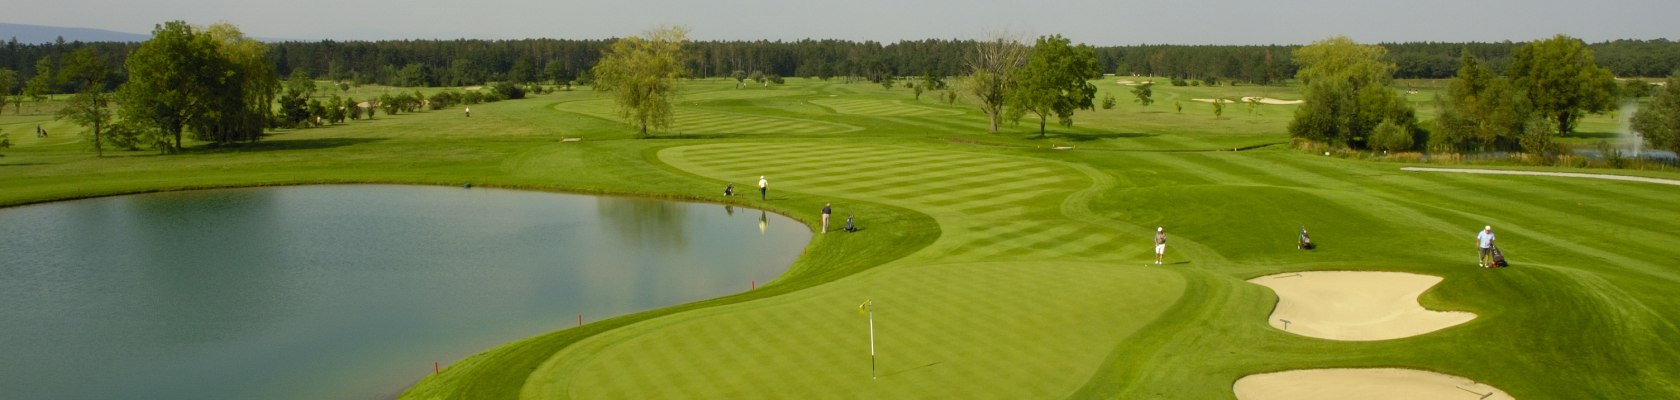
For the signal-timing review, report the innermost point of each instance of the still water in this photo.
(339, 292)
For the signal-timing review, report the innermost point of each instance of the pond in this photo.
(340, 291)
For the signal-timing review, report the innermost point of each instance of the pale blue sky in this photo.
(1096, 22)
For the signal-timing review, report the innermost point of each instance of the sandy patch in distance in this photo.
(1356, 305)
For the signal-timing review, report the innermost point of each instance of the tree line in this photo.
(474, 62)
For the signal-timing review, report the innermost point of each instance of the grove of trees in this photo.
(1348, 92)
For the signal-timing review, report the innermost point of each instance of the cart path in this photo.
(1561, 174)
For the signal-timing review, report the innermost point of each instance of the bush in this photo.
(1389, 136)
(1536, 140)
(1211, 81)
(1179, 82)
(1108, 101)
(509, 91)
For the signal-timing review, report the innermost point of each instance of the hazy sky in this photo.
(1098, 22)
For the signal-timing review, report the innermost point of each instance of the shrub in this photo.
(1389, 136)
(509, 91)
(1179, 82)
(1108, 101)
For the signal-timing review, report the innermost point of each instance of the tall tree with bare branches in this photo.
(991, 66)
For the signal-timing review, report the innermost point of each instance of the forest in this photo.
(472, 62)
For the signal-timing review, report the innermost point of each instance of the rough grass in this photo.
(1000, 268)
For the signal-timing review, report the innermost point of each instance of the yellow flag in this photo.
(863, 308)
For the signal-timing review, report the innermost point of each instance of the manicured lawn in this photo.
(1001, 268)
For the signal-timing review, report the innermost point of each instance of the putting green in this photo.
(1049, 324)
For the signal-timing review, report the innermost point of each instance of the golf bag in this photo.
(850, 227)
(1304, 242)
(1498, 257)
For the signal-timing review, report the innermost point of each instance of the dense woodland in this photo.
(471, 62)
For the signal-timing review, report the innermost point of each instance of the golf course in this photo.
(1013, 266)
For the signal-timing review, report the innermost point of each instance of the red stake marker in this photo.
(435, 369)
(580, 319)
(755, 285)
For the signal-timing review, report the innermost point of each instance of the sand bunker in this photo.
(1261, 100)
(1131, 83)
(1374, 383)
(1356, 306)
(1272, 101)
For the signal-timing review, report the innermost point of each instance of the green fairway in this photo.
(1001, 268)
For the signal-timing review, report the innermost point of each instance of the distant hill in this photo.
(36, 34)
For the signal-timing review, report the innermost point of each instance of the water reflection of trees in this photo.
(647, 223)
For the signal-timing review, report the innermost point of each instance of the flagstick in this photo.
(872, 343)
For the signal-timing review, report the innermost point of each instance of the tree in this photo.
(1479, 110)
(1108, 101)
(642, 73)
(40, 86)
(1055, 81)
(294, 101)
(1145, 96)
(1218, 108)
(91, 106)
(5, 140)
(1658, 123)
(1636, 88)
(168, 75)
(886, 82)
(213, 82)
(1347, 88)
(8, 80)
(740, 78)
(1562, 80)
(523, 71)
(991, 74)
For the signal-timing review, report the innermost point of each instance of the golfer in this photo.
(826, 211)
(1160, 243)
(1485, 240)
(763, 188)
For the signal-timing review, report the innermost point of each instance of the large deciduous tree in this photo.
(1055, 81)
(642, 73)
(213, 82)
(1659, 121)
(1562, 79)
(1347, 87)
(991, 74)
(90, 106)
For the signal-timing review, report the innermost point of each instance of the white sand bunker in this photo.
(1261, 100)
(1373, 383)
(1268, 100)
(1356, 305)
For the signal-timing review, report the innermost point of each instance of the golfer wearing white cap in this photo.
(1160, 243)
(763, 188)
(1485, 240)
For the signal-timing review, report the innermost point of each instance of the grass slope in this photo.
(1000, 268)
